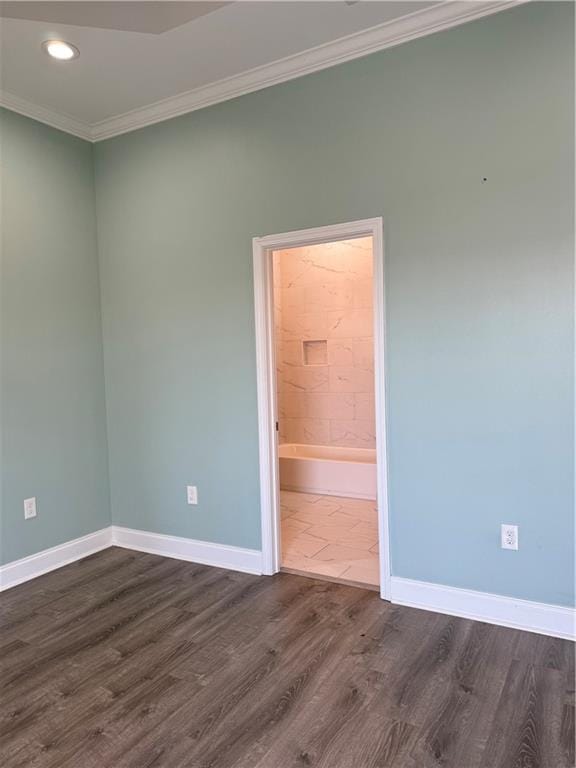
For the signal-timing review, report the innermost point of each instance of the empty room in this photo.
(287, 384)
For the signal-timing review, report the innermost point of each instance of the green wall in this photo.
(479, 289)
(53, 435)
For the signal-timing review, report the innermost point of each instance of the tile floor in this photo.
(330, 536)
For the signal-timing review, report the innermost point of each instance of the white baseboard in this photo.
(32, 566)
(203, 552)
(542, 618)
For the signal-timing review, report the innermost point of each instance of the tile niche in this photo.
(315, 352)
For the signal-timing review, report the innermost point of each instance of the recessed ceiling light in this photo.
(58, 49)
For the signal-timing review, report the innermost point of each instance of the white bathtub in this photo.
(328, 470)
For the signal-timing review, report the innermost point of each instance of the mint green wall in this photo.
(479, 285)
(53, 435)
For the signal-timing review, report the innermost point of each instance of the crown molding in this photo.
(418, 24)
(450, 13)
(55, 119)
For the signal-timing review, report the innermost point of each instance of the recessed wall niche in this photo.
(315, 352)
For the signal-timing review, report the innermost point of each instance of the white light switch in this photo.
(29, 508)
(192, 494)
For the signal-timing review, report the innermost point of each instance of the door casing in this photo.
(263, 248)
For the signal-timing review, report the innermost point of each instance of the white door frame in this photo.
(266, 380)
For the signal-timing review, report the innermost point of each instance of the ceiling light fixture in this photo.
(58, 49)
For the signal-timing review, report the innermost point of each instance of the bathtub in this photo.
(328, 470)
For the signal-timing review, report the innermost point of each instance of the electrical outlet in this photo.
(508, 536)
(29, 508)
(192, 494)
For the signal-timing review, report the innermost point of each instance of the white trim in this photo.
(410, 27)
(47, 116)
(267, 409)
(380, 409)
(192, 550)
(542, 618)
(427, 21)
(266, 378)
(48, 560)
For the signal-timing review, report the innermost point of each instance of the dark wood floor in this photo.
(127, 659)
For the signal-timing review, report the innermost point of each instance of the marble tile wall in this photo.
(324, 292)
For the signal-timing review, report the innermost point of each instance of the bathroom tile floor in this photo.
(330, 536)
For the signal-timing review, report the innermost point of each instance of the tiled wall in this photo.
(323, 293)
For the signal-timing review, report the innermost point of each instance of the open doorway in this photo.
(320, 341)
(324, 350)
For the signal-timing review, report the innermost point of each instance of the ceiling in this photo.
(152, 16)
(144, 61)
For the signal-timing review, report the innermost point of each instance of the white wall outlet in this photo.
(29, 508)
(508, 536)
(192, 494)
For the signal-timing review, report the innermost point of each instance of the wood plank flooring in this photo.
(128, 660)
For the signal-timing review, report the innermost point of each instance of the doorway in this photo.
(319, 299)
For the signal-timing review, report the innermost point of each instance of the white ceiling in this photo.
(185, 47)
(153, 16)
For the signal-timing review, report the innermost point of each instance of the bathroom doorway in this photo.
(320, 342)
